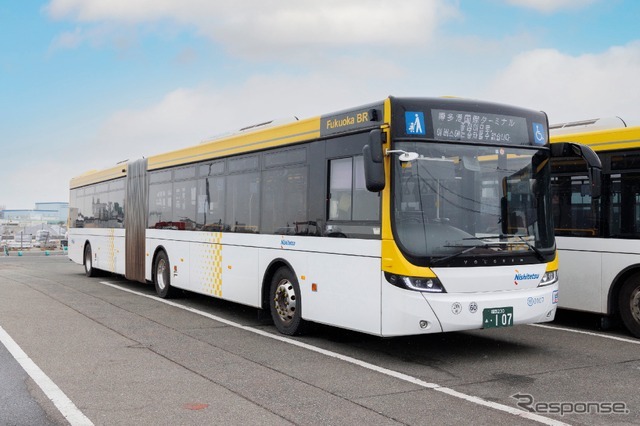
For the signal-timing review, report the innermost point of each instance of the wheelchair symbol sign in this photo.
(539, 135)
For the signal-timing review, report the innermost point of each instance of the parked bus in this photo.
(402, 217)
(598, 239)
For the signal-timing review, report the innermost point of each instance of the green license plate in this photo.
(497, 317)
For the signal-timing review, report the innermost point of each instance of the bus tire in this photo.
(285, 303)
(629, 304)
(89, 270)
(162, 276)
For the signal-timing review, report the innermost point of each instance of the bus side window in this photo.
(184, 204)
(115, 204)
(210, 204)
(350, 205)
(160, 204)
(575, 213)
(624, 204)
(366, 204)
(340, 189)
(242, 206)
(284, 206)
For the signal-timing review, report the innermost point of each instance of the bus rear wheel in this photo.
(285, 303)
(89, 270)
(629, 304)
(162, 276)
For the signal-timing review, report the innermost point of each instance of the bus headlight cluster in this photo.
(549, 277)
(426, 284)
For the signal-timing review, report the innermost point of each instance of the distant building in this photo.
(40, 216)
(62, 209)
(44, 216)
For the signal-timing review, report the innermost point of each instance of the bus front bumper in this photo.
(463, 311)
(410, 312)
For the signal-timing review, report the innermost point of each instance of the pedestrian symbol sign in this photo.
(414, 123)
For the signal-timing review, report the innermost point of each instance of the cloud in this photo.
(123, 38)
(566, 87)
(186, 56)
(68, 40)
(187, 116)
(549, 6)
(573, 87)
(121, 10)
(260, 27)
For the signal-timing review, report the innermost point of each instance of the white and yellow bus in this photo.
(402, 217)
(598, 238)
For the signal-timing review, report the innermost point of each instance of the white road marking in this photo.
(401, 376)
(68, 409)
(588, 333)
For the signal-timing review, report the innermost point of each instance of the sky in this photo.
(85, 84)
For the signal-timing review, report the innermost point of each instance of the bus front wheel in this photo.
(89, 270)
(629, 304)
(162, 276)
(286, 303)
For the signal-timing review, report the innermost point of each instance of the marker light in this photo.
(426, 284)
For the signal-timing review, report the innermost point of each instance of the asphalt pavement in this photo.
(17, 405)
(124, 357)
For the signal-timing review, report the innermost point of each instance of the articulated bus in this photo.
(598, 238)
(401, 217)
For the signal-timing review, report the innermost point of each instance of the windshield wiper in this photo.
(538, 253)
(460, 253)
(533, 248)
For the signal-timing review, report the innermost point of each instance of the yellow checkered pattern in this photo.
(212, 265)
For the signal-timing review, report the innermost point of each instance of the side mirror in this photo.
(595, 179)
(504, 215)
(594, 165)
(376, 139)
(373, 164)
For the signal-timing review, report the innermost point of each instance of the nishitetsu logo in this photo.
(524, 277)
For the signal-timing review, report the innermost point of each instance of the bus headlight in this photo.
(426, 284)
(549, 277)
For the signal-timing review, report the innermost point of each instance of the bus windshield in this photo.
(456, 201)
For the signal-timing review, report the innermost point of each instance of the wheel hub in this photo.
(160, 274)
(88, 262)
(285, 301)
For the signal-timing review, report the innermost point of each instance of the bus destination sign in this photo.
(350, 120)
(479, 127)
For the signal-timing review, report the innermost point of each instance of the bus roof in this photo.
(238, 142)
(587, 125)
(603, 139)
